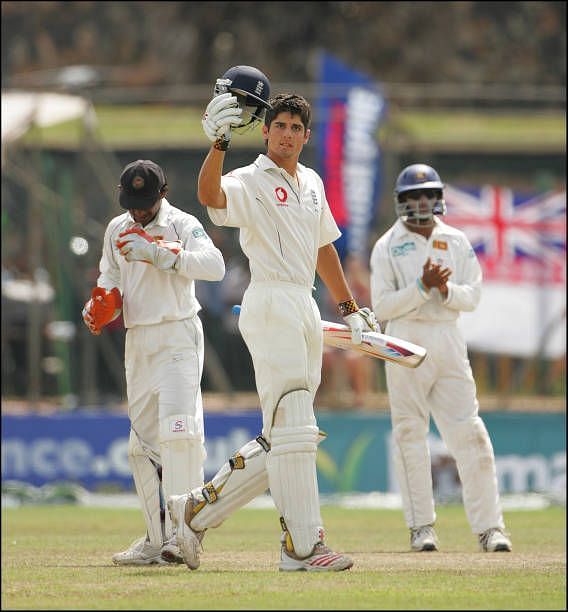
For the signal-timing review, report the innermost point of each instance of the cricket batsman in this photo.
(287, 232)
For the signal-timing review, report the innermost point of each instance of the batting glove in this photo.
(138, 245)
(361, 321)
(221, 114)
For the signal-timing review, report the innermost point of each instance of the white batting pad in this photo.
(182, 454)
(291, 466)
(147, 485)
(238, 481)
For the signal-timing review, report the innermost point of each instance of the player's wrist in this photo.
(221, 144)
(347, 307)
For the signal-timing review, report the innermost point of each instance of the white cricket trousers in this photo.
(164, 364)
(443, 387)
(281, 325)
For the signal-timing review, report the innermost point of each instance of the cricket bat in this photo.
(375, 344)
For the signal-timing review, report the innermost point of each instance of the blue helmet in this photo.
(252, 89)
(415, 180)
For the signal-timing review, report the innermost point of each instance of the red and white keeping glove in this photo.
(103, 307)
(138, 245)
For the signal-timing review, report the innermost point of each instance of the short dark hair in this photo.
(289, 103)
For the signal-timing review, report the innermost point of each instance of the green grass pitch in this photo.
(59, 558)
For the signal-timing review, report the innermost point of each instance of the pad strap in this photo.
(242, 478)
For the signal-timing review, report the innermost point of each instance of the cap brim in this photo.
(129, 201)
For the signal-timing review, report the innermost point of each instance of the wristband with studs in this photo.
(221, 144)
(348, 307)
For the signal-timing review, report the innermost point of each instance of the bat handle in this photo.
(236, 309)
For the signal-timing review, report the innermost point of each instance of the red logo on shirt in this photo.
(178, 426)
(282, 195)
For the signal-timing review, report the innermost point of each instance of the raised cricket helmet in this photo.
(419, 195)
(252, 89)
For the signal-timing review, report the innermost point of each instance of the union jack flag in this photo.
(518, 238)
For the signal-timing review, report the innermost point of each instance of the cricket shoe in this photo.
(322, 559)
(423, 539)
(189, 541)
(494, 540)
(171, 552)
(140, 552)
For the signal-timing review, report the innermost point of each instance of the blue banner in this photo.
(91, 449)
(349, 109)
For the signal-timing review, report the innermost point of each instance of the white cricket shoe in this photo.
(189, 541)
(423, 539)
(140, 552)
(322, 559)
(171, 552)
(494, 540)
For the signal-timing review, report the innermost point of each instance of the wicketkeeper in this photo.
(152, 254)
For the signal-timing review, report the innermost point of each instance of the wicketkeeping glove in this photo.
(103, 307)
(361, 321)
(221, 114)
(138, 245)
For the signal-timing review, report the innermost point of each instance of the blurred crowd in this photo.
(130, 44)
(166, 43)
(62, 281)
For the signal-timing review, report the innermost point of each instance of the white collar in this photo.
(265, 163)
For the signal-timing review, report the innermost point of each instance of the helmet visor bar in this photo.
(416, 194)
(247, 94)
(418, 210)
(250, 116)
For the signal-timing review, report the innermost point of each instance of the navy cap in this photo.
(141, 184)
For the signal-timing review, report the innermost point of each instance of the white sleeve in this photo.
(465, 294)
(329, 232)
(109, 270)
(239, 201)
(199, 259)
(387, 300)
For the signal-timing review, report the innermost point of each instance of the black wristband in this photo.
(348, 307)
(221, 144)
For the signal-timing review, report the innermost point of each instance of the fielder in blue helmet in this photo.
(419, 195)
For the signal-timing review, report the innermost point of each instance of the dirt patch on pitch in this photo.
(483, 562)
(398, 562)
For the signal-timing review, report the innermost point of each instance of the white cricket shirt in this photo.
(150, 295)
(282, 225)
(396, 263)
